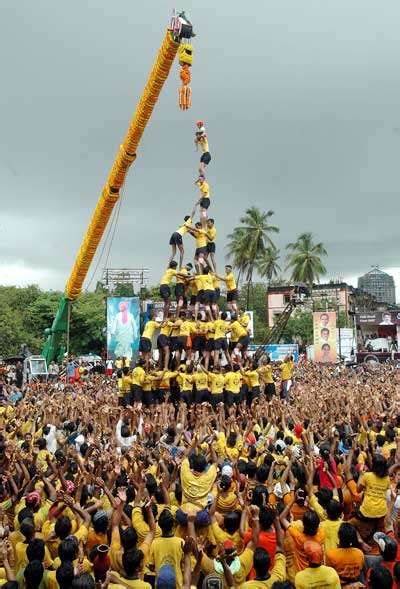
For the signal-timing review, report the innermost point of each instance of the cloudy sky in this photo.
(301, 101)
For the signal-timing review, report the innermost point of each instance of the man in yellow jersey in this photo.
(176, 240)
(267, 378)
(205, 285)
(201, 140)
(180, 287)
(231, 287)
(163, 344)
(217, 295)
(185, 383)
(216, 380)
(199, 338)
(210, 343)
(200, 255)
(165, 286)
(240, 336)
(204, 200)
(222, 328)
(286, 368)
(146, 345)
(211, 248)
(137, 378)
(200, 380)
(233, 384)
(125, 399)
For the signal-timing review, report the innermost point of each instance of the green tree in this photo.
(267, 264)
(299, 327)
(88, 321)
(249, 241)
(304, 260)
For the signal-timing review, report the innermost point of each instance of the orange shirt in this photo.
(299, 538)
(347, 562)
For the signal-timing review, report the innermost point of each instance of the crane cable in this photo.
(111, 230)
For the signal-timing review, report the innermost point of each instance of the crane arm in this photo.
(111, 192)
(125, 157)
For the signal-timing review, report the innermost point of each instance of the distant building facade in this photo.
(335, 296)
(380, 285)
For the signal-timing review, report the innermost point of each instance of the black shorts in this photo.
(159, 395)
(137, 393)
(269, 390)
(253, 394)
(206, 297)
(199, 343)
(211, 247)
(148, 398)
(220, 344)
(174, 343)
(181, 343)
(187, 397)
(210, 345)
(231, 398)
(217, 295)
(202, 396)
(165, 292)
(145, 345)
(205, 202)
(232, 295)
(193, 300)
(244, 341)
(179, 291)
(176, 239)
(162, 341)
(206, 158)
(200, 251)
(216, 399)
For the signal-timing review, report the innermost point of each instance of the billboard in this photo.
(325, 337)
(123, 327)
(379, 318)
(278, 352)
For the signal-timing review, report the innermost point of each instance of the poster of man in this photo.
(123, 327)
(325, 337)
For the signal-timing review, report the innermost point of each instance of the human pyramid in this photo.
(200, 347)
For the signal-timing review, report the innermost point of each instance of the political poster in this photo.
(123, 327)
(325, 337)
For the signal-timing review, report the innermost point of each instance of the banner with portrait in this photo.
(123, 327)
(325, 337)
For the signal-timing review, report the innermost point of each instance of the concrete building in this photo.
(380, 285)
(334, 296)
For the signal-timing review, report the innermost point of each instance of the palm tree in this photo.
(304, 260)
(249, 241)
(267, 264)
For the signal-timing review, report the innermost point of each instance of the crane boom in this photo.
(111, 191)
(125, 157)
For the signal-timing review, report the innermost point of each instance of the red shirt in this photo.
(266, 540)
(324, 480)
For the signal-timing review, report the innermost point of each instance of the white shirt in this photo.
(51, 439)
(123, 442)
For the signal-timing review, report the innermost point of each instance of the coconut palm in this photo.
(304, 259)
(267, 264)
(249, 241)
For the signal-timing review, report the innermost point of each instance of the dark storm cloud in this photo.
(301, 104)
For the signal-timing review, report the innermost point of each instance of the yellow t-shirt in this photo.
(221, 328)
(168, 551)
(204, 189)
(205, 282)
(286, 371)
(253, 378)
(278, 573)
(138, 376)
(201, 238)
(233, 382)
(230, 281)
(185, 381)
(168, 276)
(374, 502)
(211, 234)
(200, 379)
(322, 576)
(266, 374)
(331, 532)
(217, 383)
(150, 328)
(237, 331)
(183, 229)
(196, 487)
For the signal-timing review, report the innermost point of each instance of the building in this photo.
(333, 296)
(380, 285)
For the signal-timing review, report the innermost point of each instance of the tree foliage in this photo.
(305, 259)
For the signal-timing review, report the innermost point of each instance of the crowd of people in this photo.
(303, 493)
